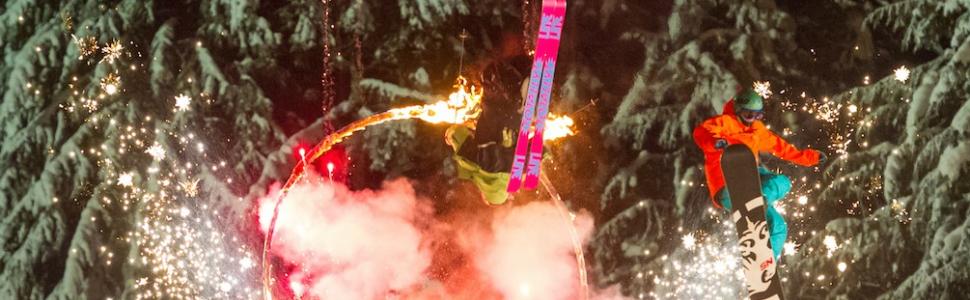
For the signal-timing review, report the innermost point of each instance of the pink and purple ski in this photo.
(540, 91)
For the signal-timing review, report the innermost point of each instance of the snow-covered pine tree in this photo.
(89, 100)
(907, 172)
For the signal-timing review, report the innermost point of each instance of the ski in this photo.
(740, 169)
(554, 32)
(539, 92)
(518, 163)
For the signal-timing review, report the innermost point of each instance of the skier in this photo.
(483, 153)
(740, 123)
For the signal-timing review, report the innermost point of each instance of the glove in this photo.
(821, 158)
(722, 143)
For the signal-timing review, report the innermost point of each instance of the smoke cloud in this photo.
(390, 244)
(529, 254)
(350, 245)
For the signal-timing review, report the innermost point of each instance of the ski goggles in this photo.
(751, 114)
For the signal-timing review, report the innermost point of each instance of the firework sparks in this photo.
(901, 74)
(112, 51)
(86, 46)
(713, 261)
(830, 245)
(126, 179)
(689, 241)
(763, 88)
(790, 248)
(110, 83)
(176, 241)
(156, 151)
(899, 212)
(182, 102)
(67, 21)
(190, 187)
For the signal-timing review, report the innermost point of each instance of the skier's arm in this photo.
(786, 151)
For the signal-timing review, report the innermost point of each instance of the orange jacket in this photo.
(727, 126)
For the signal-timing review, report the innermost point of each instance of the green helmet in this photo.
(749, 100)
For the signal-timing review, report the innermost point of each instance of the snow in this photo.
(954, 160)
(961, 121)
(919, 104)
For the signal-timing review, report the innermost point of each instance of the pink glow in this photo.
(389, 243)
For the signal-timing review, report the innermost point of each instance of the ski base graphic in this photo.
(537, 100)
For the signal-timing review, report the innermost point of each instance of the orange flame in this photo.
(558, 127)
(462, 106)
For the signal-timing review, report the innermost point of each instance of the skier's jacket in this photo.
(757, 137)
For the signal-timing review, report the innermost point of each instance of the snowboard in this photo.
(740, 169)
(537, 99)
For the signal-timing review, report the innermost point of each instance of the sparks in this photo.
(689, 241)
(110, 83)
(246, 263)
(763, 88)
(901, 74)
(830, 244)
(156, 151)
(790, 248)
(712, 261)
(126, 179)
(842, 266)
(182, 102)
(86, 46)
(67, 21)
(191, 187)
(112, 51)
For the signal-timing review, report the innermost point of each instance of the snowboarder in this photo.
(740, 123)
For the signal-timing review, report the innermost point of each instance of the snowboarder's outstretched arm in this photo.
(782, 149)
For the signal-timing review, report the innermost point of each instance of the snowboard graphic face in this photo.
(756, 255)
(744, 188)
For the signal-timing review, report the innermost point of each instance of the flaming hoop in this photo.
(461, 107)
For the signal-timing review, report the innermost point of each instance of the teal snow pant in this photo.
(773, 187)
